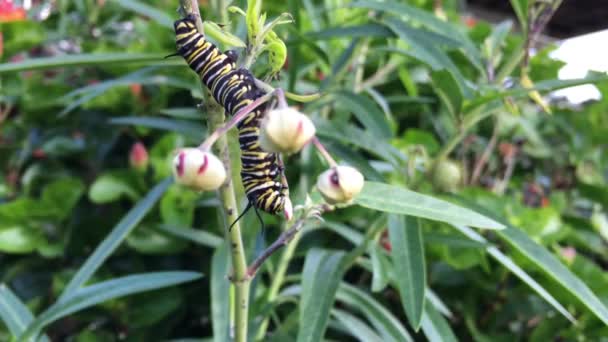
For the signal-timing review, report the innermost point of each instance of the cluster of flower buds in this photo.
(283, 130)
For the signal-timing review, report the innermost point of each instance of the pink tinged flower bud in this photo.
(198, 169)
(288, 209)
(285, 130)
(340, 184)
(138, 156)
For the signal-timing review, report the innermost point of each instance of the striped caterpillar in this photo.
(234, 89)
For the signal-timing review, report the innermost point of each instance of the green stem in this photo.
(277, 281)
(216, 117)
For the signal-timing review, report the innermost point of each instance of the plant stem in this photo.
(326, 155)
(283, 240)
(215, 117)
(277, 280)
(481, 162)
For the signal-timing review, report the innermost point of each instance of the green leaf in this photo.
(197, 236)
(215, 32)
(183, 113)
(367, 112)
(431, 22)
(194, 130)
(555, 269)
(347, 133)
(62, 195)
(19, 239)
(384, 322)
(356, 327)
(538, 86)
(103, 291)
(435, 327)
(113, 240)
(220, 294)
(109, 188)
(448, 90)
(145, 10)
(521, 10)
(549, 264)
(363, 30)
(518, 271)
(380, 268)
(320, 279)
(177, 206)
(398, 200)
(408, 262)
(81, 60)
(14, 313)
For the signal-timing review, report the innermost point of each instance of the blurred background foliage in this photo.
(413, 94)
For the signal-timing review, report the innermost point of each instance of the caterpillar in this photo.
(234, 89)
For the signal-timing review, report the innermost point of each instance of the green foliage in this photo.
(402, 91)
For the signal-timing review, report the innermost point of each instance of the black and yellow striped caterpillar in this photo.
(234, 89)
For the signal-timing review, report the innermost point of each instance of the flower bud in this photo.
(198, 169)
(447, 176)
(138, 156)
(340, 184)
(288, 209)
(285, 131)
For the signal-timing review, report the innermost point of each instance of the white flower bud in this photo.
(340, 184)
(285, 130)
(198, 169)
(288, 209)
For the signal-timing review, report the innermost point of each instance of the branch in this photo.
(285, 238)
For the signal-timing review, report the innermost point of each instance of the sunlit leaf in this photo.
(399, 200)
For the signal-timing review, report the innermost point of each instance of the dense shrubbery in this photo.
(412, 98)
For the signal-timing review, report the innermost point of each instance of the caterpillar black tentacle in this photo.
(234, 89)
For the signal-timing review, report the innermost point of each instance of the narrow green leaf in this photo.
(518, 271)
(194, 130)
(437, 303)
(356, 327)
(366, 111)
(160, 17)
(549, 264)
(435, 327)
(398, 200)
(320, 279)
(448, 90)
(113, 240)
(80, 60)
(556, 270)
(423, 49)
(220, 294)
(183, 113)
(538, 86)
(521, 10)
(201, 237)
(363, 30)
(14, 313)
(408, 261)
(384, 322)
(380, 268)
(429, 21)
(98, 293)
(350, 134)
